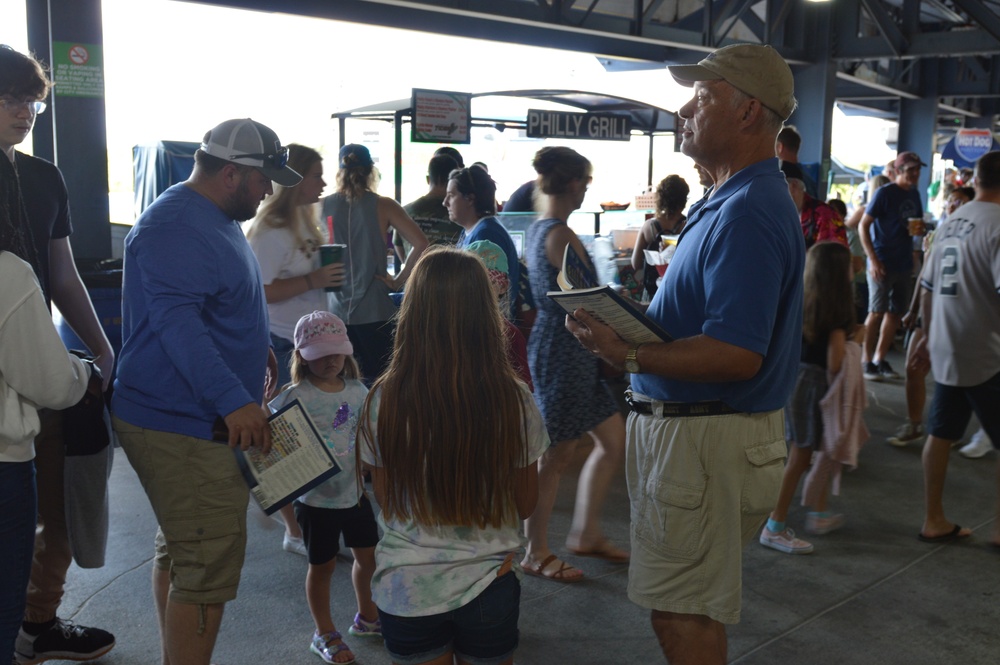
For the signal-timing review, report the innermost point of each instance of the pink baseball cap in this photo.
(321, 334)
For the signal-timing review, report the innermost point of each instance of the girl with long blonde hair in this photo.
(451, 438)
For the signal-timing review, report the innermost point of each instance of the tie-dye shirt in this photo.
(336, 419)
(422, 570)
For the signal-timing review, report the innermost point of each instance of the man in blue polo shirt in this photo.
(706, 444)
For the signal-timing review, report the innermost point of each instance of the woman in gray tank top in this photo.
(361, 219)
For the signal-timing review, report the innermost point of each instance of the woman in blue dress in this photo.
(571, 395)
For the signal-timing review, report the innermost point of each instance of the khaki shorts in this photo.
(200, 501)
(700, 488)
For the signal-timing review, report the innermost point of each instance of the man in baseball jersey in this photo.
(960, 303)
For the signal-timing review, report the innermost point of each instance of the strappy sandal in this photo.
(556, 574)
(322, 646)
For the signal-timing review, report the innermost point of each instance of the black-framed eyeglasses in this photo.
(278, 159)
(33, 105)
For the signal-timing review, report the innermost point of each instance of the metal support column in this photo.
(68, 35)
(918, 124)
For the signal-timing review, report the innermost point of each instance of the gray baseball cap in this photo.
(247, 142)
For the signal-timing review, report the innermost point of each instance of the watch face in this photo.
(631, 366)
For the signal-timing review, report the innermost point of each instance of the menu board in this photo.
(441, 117)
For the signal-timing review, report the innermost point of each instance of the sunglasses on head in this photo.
(278, 159)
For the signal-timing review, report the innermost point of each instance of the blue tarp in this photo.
(157, 166)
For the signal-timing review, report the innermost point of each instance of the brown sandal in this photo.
(558, 574)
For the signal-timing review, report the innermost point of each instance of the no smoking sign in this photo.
(78, 55)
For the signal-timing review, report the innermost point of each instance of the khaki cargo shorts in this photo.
(700, 488)
(200, 501)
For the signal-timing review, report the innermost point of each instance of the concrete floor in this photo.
(870, 593)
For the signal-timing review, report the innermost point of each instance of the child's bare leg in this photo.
(361, 575)
(318, 595)
(798, 462)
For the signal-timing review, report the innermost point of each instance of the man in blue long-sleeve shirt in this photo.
(196, 350)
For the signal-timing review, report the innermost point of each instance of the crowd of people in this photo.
(464, 441)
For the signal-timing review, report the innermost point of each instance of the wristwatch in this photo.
(631, 361)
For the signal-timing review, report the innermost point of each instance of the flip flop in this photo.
(604, 550)
(558, 575)
(950, 537)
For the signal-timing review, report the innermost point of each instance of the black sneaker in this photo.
(886, 371)
(872, 373)
(63, 641)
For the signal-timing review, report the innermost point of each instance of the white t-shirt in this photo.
(35, 369)
(336, 418)
(421, 570)
(280, 258)
(963, 271)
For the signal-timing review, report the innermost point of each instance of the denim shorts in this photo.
(283, 351)
(952, 408)
(483, 632)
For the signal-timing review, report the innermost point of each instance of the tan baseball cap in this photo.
(755, 69)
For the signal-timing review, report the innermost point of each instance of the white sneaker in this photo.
(784, 541)
(977, 447)
(294, 545)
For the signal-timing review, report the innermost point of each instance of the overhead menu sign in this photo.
(567, 125)
(441, 117)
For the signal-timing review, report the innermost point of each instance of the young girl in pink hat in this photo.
(326, 382)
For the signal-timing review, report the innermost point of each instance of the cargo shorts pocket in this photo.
(671, 518)
(762, 482)
(206, 553)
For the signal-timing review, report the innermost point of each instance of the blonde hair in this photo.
(299, 368)
(282, 210)
(450, 430)
(354, 180)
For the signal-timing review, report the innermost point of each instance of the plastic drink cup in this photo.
(331, 254)
(916, 226)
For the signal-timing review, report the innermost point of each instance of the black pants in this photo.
(372, 347)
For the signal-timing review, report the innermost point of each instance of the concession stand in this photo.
(568, 114)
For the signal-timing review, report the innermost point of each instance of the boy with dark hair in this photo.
(23, 87)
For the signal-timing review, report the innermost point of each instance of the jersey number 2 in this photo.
(949, 272)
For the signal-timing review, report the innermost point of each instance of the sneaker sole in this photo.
(900, 443)
(787, 550)
(874, 377)
(66, 655)
(975, 454)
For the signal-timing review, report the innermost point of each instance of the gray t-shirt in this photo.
(963, 271)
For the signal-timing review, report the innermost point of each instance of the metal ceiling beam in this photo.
(924, 45)
(887, 26)
(582, 26)
(878, 85)
(986, 19)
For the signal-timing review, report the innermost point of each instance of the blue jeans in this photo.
(482, 632)
(283, 351)
(18, 516)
